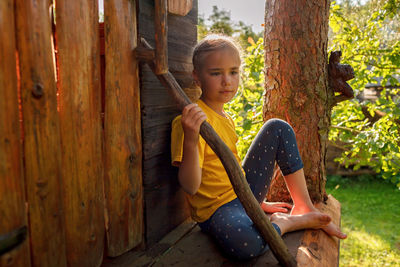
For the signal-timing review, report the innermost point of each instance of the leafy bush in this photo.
(246, 107)
(369, 131)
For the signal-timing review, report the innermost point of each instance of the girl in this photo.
(214, 204)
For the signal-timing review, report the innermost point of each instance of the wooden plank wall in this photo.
(51, 162)
(165, 204)
(12, 193)
(123, 150)
(61, 161)
(42, 152)
(77, 33)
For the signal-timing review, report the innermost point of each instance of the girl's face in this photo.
(218, 76)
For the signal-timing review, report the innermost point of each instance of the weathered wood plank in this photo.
(318, 248)
(12, 200)
(80, 107)
(199, 249)
(123, 148)
(161, 182)
(158, 177)
(161, 33)
(41, 133)
(157, 115)
(156, 132)
(151, 255)
(180, 7)
(157, 138)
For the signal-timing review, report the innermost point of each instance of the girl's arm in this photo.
(189, 174)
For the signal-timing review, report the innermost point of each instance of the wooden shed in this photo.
(85, 173)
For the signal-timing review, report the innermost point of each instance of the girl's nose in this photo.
(226, 80)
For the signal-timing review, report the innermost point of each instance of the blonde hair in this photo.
(211, 43)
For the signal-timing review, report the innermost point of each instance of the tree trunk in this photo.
(296, 83)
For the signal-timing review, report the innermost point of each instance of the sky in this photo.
(251, 12)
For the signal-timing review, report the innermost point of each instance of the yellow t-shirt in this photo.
(215, 188)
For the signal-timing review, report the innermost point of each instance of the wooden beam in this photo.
(161, 32)
(234, 171)
(318, 248)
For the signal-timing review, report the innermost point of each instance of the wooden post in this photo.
(317, 247)
(161, 32)
(81, 131)
(12, 193)
(236, 176)
(41, 133)
(123, 149)
(180, 7)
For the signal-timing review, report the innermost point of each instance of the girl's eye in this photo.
(234, 72)
(214, 73)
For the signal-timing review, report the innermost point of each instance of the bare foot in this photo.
(290, 223)
(330, 229)
(333, 230)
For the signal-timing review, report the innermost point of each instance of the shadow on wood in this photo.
(188, 246)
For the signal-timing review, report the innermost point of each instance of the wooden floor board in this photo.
(188, 246)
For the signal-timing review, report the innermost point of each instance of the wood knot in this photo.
(37, 91)
(339, 74)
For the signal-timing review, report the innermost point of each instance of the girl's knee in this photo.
(277, 124)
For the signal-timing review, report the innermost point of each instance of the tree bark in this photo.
(296, 84)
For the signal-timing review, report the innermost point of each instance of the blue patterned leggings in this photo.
(230, 226)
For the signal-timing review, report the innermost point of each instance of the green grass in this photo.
(371, 218)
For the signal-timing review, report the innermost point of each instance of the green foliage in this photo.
(368, 36)
(246, 107)
(365, 34)
(220, 22)
(369, 41)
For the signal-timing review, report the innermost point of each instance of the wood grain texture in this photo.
(161, 33)
(318, 248)
(158, 110)
(41, 133)
(80, 107)
(155, 253)
(180, 7)
(123, 148)
(12, 192)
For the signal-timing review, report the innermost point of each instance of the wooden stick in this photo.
(161, 31)
(11, 240)
(144, 54)
(234, 171)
